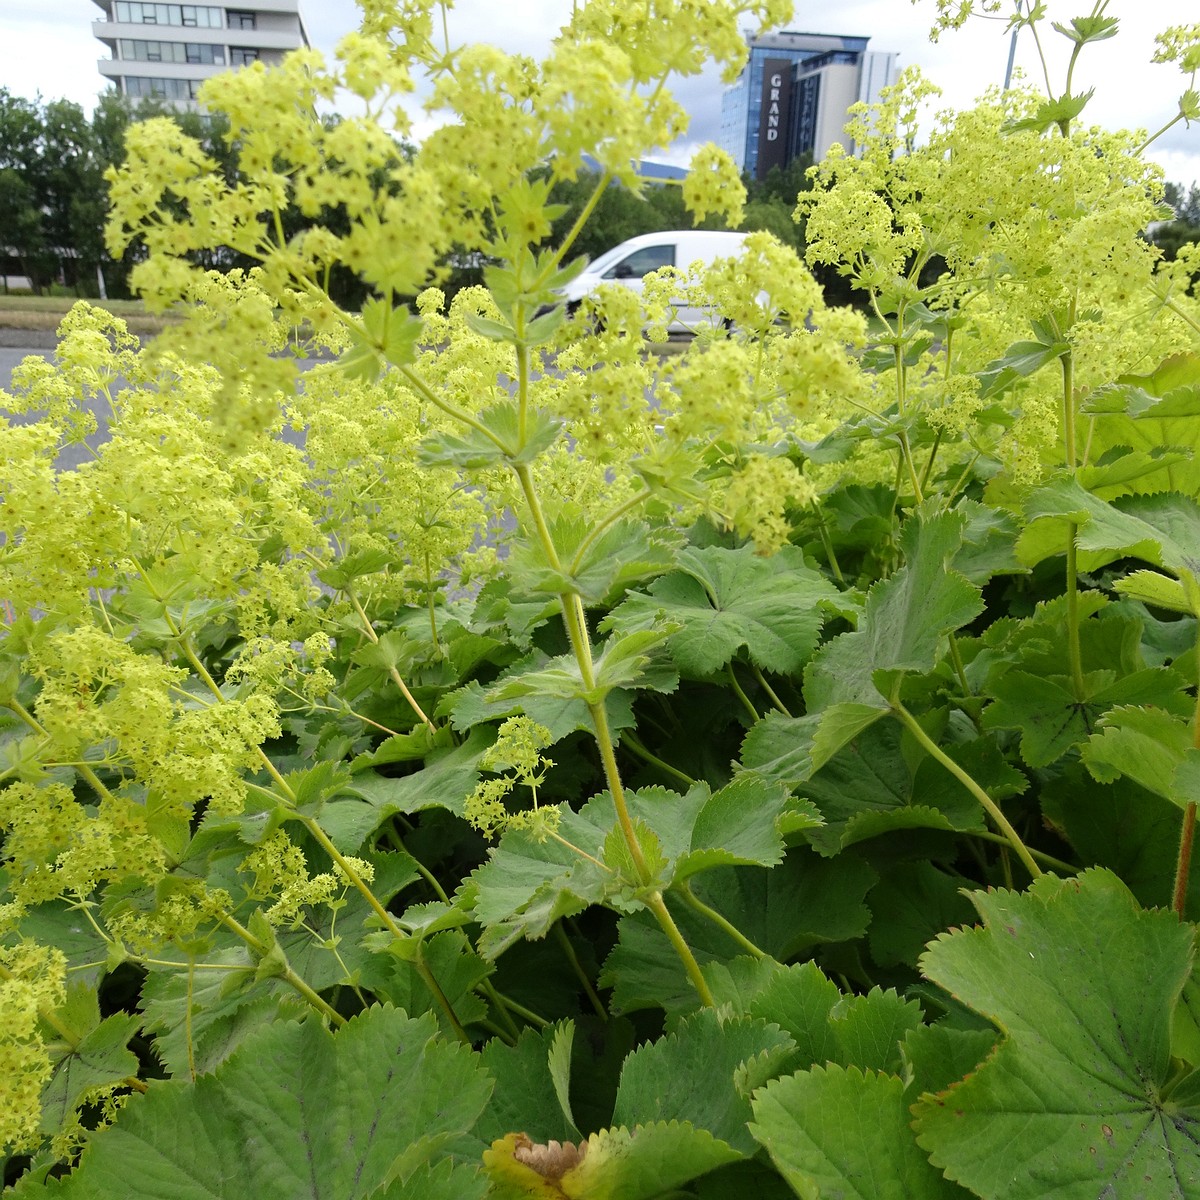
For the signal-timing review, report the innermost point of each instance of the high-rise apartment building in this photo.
(167, 51)
(791, 98)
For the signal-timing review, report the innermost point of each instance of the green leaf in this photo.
(1077, 1081)
(559, 1062)
(600, 569)
(527, 1096)
(938, 1056)
(911, 904)
(1162, 529)
(527, 885)
(1088, 29)
(458, 970)
(803, 902)
(386, 335)
(542, 693)
(445, 1180)
(905, 621)
(1156, 416)
(725, 601)
(353, 566)
(843, 1132)
(650, 1162)
(829, 1027)
(499, 443)
(101, 1058)
(1156, 590)
(1022, 359)
(1052, 719)
(691, 1075)
(369, 799)
(199, 1023)
(296, 1112)
(1054, 112)
(1151, 747)
(1130, 830)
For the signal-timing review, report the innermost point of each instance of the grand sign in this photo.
(773, 121)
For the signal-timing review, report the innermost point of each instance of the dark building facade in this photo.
(792, 97)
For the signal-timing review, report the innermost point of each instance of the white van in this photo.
(629, 262)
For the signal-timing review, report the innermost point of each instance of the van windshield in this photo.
(606, 260)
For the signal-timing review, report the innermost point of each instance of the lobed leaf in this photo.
(1082, 984)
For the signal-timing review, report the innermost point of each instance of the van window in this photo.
(642, 262)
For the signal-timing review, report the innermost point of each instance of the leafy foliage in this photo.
(466, 748)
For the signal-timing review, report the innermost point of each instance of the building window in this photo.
(161, 89)
(240, 56)
(200, 53)
(133, 50)
(192, 15)
(241, 20)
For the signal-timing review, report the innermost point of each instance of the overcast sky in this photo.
(47, 47)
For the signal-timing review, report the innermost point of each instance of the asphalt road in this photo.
(9, 357)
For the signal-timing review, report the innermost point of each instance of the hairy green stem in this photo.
(526, 1014)
(989, 805)
(84, 770)
(500, 1004)
(685, 893)
(560, 936)
(741, 695)
(1187, 833)
(630, 741)
(442, 999)
(1183, 865)
(827, 545)
(766, 687)
(1182, 315)
(395, 675)
(658, 907)
(575, 620)
(288, 975)
(1055, 864)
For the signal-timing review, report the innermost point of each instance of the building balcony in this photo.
(260, 39)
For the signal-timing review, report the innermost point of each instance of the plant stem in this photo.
(397, 679)
(694, 902)
(500, 1004)
(575, 620)
(828, 545)
(658, 907)
(1183, 867)
(526, 1014)
(1187, 833)
(288, 975)
(1182, 315)
(442, 999)
(741, 695)
(1056, 864)
(989, 805)
(766, 687)
(85, 771)
(631, 742)
(1155, 136)
(560, 936)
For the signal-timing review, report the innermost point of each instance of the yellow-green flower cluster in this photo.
(282, 874)
(32, 980)
(517, 755)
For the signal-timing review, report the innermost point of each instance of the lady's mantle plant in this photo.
(582, 771)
